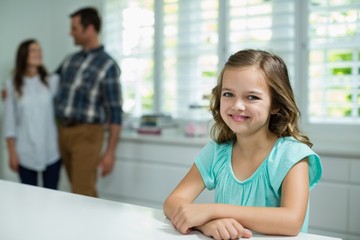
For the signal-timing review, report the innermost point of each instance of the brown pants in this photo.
(80, 148)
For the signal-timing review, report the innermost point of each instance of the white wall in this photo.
(45, 20)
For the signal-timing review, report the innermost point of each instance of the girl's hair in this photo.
(285, 121)
(21, 65)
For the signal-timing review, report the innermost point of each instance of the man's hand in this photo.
(108, 160)
(107, 163)
(224, 228)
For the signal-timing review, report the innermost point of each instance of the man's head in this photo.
(85, 26)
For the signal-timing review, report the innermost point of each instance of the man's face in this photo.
(78, 32)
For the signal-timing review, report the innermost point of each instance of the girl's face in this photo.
(245, 103)
(35, 55)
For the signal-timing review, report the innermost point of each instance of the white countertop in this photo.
(28, 212)
(168, 137)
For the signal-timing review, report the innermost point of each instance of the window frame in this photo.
(347, 142)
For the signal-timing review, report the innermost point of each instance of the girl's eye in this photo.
(227, 94)
(252, 97)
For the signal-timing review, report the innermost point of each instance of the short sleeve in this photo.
(285, 155)
(204, 162)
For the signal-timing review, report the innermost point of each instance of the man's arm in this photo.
(108, 160)
(113, 108)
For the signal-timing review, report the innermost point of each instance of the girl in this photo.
(29, 125)
(259, 163)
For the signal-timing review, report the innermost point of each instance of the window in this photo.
(129, 37)
(334, 68)
(268, 25)
(332, 117)
(189, 48)
(171, 51)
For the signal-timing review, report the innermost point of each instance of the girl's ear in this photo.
(274, 111)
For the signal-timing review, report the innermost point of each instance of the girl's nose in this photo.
(239, 105)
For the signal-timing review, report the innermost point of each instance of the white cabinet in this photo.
(335, 202)
(149, 167)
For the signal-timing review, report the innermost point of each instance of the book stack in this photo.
(154, 124)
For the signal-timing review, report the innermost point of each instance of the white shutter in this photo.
(190, 43)
(129, 38)
(266, 25)
(334, 54)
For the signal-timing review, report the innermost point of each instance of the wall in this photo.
(45, 20)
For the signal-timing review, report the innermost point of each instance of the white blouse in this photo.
(30, 120)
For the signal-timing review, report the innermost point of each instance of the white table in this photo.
(35, 213)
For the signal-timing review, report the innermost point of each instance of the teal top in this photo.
(263, 188)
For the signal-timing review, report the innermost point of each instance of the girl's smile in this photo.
(239, 118)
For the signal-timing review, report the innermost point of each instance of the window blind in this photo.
(190, 43)
(129, 38)
(261, 24)
(175, 48)
(334, 54)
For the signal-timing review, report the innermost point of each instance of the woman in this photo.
(29, 124)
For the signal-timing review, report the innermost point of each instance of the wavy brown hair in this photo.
(21, 62)
(285, 121)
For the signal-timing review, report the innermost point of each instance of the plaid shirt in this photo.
(89, 89)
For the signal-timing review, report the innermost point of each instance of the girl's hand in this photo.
(224, 228)
(190, 215)
(14, 161)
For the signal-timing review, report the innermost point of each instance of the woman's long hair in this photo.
(21, 65)
(285, 121)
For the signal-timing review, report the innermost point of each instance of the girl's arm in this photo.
(284, 220)
(179, 206)
(185, 192)
(184, 215)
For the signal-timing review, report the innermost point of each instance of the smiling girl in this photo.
(259, 163)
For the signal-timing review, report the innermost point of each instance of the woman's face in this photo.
(245, 104)
(35, 55)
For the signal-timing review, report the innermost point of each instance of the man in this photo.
(89, 96)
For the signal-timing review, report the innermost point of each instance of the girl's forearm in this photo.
(171, 203)
(265, 220)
